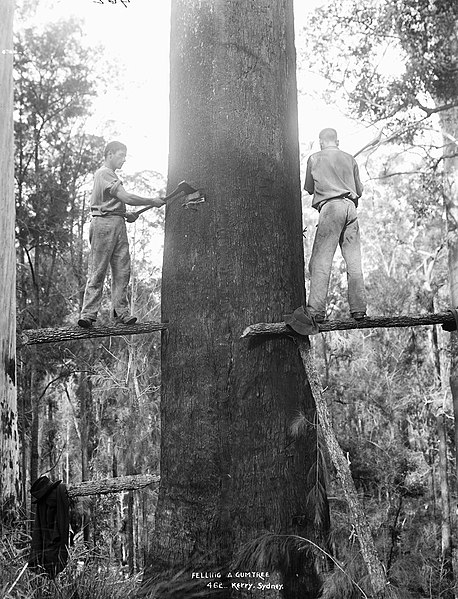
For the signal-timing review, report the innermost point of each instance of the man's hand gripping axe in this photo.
(192, 197)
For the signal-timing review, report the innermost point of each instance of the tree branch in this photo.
(38, 336)
(397, 174)
(429, 111)
(280, 328)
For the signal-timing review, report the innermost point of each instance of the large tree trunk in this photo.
(9, 444)
(230, 469)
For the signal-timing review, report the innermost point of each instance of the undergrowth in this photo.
(88, 574)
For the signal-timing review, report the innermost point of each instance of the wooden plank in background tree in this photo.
(113, 485)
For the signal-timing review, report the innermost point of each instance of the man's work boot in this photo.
(129, 320)
(125, 319)
(358, 315)
(86, 323)
(318, 316)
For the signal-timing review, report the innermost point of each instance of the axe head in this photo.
(184, 187)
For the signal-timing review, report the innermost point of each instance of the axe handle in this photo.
(171, 195)
(138, 212)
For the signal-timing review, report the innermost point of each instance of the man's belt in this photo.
(107, 214)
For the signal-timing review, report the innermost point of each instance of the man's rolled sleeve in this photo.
(114, 188)
(110, 182)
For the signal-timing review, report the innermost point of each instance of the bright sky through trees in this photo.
(135, 34)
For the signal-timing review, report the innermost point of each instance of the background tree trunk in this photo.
(230, 469)
(449, 124)
(446, 531)
(9, 446)
(87, 429)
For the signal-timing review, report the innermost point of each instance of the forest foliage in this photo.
(86, 410)
(387, 389)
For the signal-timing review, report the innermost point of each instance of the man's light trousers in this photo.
(337, 224)
(109, 248)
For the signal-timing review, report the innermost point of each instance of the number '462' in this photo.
(123, 2)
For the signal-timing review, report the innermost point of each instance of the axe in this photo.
(182, 187)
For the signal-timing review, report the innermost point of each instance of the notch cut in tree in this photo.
(191, 196)
(230, 468)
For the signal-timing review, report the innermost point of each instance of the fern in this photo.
(317, 480)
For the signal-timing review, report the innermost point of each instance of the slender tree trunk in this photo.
(36, 373)
(374, 566)
(449, 124)
(51, 438)
(35, 409)
(66, 475)
(446, 530)
(86, 426)
(230, 469)
(10, 491)
(23, 428)
(130, 457)
(130, 533)
(441, 370)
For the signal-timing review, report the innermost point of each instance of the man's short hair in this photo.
(113, 147)
(328, 135)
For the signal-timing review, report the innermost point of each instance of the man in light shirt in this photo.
(333, 179)
(108, 239)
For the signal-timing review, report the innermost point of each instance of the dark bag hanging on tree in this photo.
(49, 546)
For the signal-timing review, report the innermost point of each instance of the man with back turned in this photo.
(333, 179)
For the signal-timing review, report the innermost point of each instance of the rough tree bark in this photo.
(9, 444)
(230, 469)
